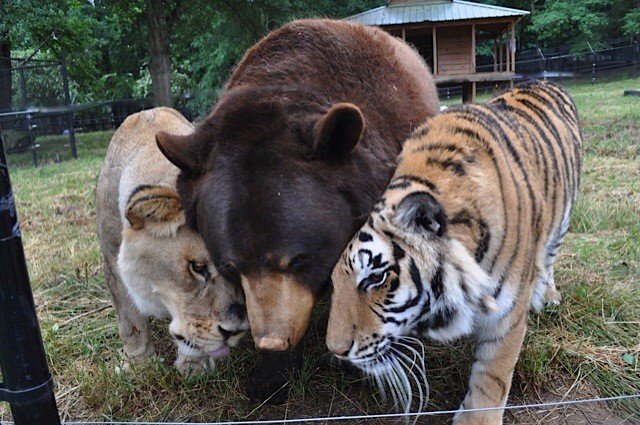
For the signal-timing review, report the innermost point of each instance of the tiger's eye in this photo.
(373, 280)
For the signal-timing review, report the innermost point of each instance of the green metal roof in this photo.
(405, 12)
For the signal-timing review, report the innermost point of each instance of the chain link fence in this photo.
(36, 122)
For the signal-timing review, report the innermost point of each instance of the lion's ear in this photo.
(184, 151)
(157, 208)
(337, 132)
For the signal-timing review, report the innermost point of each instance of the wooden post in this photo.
(404, 34)
(468, 92)
(435, 51)
(495, 54)
(500, 56)
(513, 47)
(473, 48)
(507, 53)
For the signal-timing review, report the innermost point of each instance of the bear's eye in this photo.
(371, 281)
(229, 272)
(297, 262)
(200, 269)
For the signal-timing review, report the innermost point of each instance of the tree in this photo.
(159, 60)
(67, 20)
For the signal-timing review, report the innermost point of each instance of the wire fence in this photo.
(36, 121)
(350, 418)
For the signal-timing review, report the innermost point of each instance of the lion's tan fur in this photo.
(147, 247)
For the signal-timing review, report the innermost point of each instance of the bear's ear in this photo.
(338, 131)
(184, 151)
(157, 208)
(422, 212)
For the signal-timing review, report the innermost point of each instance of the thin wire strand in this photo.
(361, 417)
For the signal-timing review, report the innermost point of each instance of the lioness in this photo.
(154, 264)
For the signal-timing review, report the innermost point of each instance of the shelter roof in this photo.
(415, 11)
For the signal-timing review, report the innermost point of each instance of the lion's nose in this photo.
(238, 310)
(340, 348)
(226, 334)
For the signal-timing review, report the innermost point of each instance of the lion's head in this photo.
(168, 273)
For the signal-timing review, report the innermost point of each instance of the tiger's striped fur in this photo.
(462, 242)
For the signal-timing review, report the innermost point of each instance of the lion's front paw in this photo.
(127, 359)
(190, 366)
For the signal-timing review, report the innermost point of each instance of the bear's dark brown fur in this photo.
(290, 160)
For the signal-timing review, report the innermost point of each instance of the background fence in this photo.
(559, 63)
(38, 122)
(35, 111)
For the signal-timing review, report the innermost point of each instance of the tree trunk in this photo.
(5, 72)
(159, 62)
(532, 9)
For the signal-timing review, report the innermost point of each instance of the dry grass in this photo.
(590, 345)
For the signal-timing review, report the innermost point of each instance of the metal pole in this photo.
(67, 101)
(27, 386)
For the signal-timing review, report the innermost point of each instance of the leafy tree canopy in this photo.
(108, 52)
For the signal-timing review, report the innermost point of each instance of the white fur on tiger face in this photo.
(415, 281)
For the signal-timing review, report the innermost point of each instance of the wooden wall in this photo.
(454, 46)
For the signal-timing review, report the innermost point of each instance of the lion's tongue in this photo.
(220, 352)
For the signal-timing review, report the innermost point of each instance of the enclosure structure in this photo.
(446, 33)
(36, 120)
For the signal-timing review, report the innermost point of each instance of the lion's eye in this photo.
(201, 269)
(371, 281)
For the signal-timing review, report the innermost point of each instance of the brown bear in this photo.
(288, 164)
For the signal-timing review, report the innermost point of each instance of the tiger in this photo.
(462, 242)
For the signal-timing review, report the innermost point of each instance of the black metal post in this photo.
(67, 101)
(27, 386)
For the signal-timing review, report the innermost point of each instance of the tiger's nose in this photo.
(226, 334)
(340, 348)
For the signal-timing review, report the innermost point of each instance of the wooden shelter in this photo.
(445, 32)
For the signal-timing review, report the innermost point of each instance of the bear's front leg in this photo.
(269, 381)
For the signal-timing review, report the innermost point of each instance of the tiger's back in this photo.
(464, 238)
(528, 146)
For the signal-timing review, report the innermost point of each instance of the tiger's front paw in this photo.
(190, 366)
(477, 418)
(487, 417)
(552, 297)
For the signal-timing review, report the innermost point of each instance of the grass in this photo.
(587, 346)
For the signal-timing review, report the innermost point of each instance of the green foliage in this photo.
(577, 22)
(631, 25)
(213, 36)
(106, 40)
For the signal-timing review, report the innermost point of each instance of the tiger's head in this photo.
(403, 275)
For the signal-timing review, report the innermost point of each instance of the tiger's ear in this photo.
(337, 132)
(184, 151)
(422, 212)
(156, 208)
